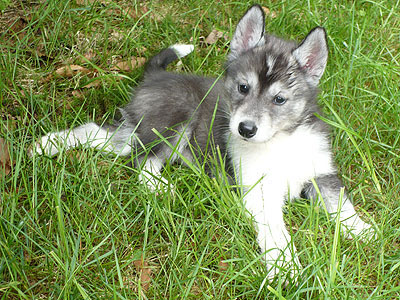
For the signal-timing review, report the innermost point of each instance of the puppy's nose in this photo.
(247, 129)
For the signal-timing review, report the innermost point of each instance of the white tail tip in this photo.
(182, 50)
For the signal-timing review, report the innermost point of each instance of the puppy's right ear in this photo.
(249, 32)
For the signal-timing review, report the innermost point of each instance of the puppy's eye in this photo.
(279, 100)
(243, 88)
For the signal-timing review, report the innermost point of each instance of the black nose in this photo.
(247, 129)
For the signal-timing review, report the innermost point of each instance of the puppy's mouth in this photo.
(253, 140)
(251, 131)
(257, 138)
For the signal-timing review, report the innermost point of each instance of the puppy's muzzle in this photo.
(247, 129)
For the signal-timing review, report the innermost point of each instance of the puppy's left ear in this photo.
(312, 54)
(249, 32)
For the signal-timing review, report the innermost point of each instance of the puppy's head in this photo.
(272, 83)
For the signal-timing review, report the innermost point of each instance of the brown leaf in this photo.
(143, 268)
(141, 49)
(223, 266)
(116, 36)
(94, 83)
(266, 10)
(133, 13)
(213, 37)
(78, 94)
(71, 70)
(195, 289)
(130, 11)
(5, 160)
(17, 25)
(40, 51)
(269, 13)
(89, 55)
(48, 78)
(113, 11)
(87, 2)
(129, 65)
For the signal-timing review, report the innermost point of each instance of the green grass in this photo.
(75, 226)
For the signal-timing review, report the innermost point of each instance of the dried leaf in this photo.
(133, 13)
(71, 70)
(89, 55)
(94, 83)
(143, 268)
(266, 10)
(78, 94)
(128, 11)
(87, 2)
(84, 2)
(145, 278)
(17, 25)
(141, 49)
(213, 37)
(142, 10)
(116, 36)
(40, 51)
(129, 65)
(223, 266)
(269, 13)
(48, 78)
(113, 12)
(196, 290)
(5, 160)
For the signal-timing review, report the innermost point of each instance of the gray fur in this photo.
(286, 70)
(169, 103)
(329, 187)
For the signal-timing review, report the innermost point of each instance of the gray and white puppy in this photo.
(262, 113)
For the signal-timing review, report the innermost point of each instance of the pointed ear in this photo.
(249, 31)
(312, 54)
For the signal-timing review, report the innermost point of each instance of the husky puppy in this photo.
(263, 114)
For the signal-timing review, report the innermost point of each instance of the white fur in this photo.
(182, 50)
(87, 135)
(150, 174)
(274, 171)
(278, 88)
(270, 64)
(271, 171)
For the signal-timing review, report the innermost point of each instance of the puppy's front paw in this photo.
(155, 183)
(284, 263)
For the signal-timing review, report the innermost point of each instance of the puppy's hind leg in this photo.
(154, 161)
(330, 189)
(89, 135)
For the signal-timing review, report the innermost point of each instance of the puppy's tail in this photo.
(166, 56)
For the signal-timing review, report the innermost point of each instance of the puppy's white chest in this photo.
(288, 160)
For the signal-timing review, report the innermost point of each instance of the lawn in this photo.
(81, 226)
